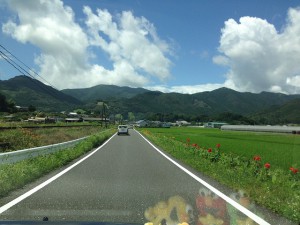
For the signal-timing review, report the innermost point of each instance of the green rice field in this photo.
(258, 163)
(280, 150)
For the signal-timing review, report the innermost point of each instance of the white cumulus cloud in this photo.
(130, 39)
(50, 26)
(191, 89)
(293, 81)
(259, 57)
(136, 52)
(185, 89)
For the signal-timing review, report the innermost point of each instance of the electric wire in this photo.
(50, 89)
(28, 67)
(18, 67)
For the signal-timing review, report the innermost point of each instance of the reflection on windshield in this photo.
(207, 209)
(174, 210)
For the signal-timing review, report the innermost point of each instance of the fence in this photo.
(15, 156)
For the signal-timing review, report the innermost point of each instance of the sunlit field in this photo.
(280, 150)
(264, 165)
(22, 138)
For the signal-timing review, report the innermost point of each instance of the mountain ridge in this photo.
(27, 91)
(143, 102)
(103, 92)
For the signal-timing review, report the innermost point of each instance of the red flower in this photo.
(294, 170)
(257, 158)
(267, 165)
(196, 146)
(209, 150)
(218, 145)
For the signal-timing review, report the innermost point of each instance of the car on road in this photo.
(122, 129)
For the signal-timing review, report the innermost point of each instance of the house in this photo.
(73, 117)
(182, 123)
(36, 119)
(154, 124)
(166, 125)
(72, 114)
(214, 124)
(21, 108)
(142, 123)
(95, 119)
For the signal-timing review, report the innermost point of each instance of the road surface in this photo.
(116, 184)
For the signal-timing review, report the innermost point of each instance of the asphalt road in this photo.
(117, 183)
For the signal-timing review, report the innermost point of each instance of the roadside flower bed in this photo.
(271, 187)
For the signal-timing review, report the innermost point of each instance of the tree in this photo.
(6, 106)
(103, 111)
(3, 103)
(119, 118)
(79, 111)
(131, 116)
(31, 108)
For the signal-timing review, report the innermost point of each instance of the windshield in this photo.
(158, 112)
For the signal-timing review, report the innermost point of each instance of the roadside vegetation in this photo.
(265, 166)
(21, 138)
(15, 176)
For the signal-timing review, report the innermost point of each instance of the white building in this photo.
(261, 128)
(182, 123)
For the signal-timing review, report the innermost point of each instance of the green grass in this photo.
(62, 124)
(280, 150)
(14, 176)
(22, 138)
(276, 188)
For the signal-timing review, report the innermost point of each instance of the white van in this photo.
(122, 129)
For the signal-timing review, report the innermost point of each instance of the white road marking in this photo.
(241, 208)
(251, 215)
(40, 186)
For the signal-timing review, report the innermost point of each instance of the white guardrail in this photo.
(16, 156)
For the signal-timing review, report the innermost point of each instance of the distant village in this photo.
(102, 118)
(70, 117)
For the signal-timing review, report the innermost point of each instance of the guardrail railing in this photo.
(16, 156)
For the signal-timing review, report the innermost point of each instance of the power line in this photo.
(24, 72)
(7, 59)
(27, 67)
(21, 70)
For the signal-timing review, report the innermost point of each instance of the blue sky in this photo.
(172, 46)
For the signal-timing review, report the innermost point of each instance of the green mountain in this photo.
(103, 92)
(244, 103)
(209, 103)
(288, 112)
(25, 91)
(217, 104)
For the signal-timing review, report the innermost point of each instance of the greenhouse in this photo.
(260, 128)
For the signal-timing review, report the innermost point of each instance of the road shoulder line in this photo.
(244, 210)
(45, 183)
